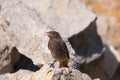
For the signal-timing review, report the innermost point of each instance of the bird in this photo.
(58, 48)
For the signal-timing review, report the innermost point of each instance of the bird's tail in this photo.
(64, 63)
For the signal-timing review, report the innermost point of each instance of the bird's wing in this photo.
(65, 49)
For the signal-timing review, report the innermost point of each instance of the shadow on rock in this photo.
(87, 44)
(105, 67)
(117, 74)
(23, 62)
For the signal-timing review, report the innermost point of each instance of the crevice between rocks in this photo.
(23, 62)
(18, 61)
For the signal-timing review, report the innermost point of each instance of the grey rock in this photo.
(25, 30)
(69, 17)
(28, 22)
(102, 25)
(5, 49)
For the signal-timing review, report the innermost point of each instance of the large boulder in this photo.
(25, 24)
(69, 17)
(25, 30)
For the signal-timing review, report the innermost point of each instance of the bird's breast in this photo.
(56, 50)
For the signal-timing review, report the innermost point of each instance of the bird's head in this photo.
(53, 35)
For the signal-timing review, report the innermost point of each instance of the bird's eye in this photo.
(53, 33)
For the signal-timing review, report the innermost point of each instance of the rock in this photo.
(69, 17)
(109, 29)
(87, 44)
(20, 75)
(105, 66)
(9, 56)
(111, 61)
(25, 63)
(47, 73)
(31, 21)
(117, 74)
(5, 56)
(96, 79)
(11, 60)
(24, 22)
(102, 26)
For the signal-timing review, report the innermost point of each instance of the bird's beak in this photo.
(47, 33)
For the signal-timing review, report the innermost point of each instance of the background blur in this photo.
(110, 10)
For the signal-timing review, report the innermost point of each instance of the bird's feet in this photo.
(52, 65)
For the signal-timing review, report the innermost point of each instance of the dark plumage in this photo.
(58, 48)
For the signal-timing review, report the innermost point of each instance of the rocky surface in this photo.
(24, 24)
(58, 14)
(47, 73)
(23, 44)
(5, 49)
(25, 30)
(28, 21)
(104, 67)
